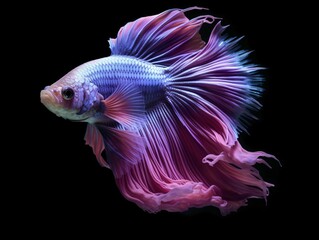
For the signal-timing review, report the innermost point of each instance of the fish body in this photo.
(164, 112)
(109, 73)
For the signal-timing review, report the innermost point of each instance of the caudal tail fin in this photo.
(192, 157)
(213, 92)
(217, 79)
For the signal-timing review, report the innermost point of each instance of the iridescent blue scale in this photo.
(110, 72)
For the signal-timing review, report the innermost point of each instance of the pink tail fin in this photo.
(180, 170)
(192, 157)
(219, 78)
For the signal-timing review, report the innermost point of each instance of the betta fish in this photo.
(164, 111)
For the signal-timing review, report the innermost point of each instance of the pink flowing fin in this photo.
(125, 105)
(210, 92)
(185, 153)
(160, 39)
(124, 148)
(167, 178)
(173, 175)
(94, 139)
(238, 155)
(219, 78)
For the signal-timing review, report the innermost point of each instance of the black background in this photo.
(64, 189)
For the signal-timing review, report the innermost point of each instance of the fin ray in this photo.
(219, 79)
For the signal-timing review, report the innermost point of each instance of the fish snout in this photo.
(50, 95)
(47, 97)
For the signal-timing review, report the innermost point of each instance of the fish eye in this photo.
(67, 93)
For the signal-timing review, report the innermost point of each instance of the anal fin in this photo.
(124, 148)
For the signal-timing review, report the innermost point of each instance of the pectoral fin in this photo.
(125, 105)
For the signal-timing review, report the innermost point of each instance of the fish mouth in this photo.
(47, 97)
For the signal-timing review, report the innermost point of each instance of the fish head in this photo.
(72, 97)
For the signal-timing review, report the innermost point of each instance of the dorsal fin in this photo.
(160, 39)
